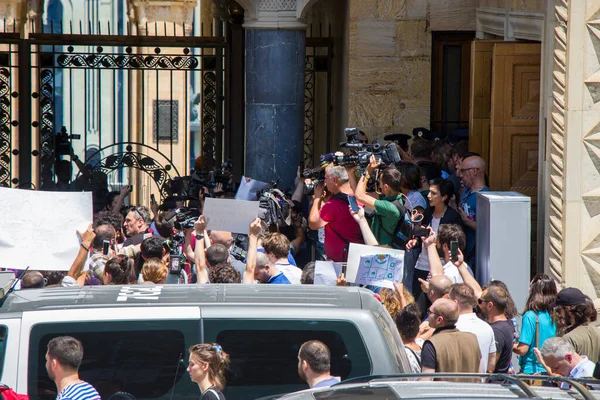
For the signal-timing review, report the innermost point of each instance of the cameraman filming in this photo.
(340, 227)
(387, 215)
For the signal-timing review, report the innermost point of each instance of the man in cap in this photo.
(574, 314)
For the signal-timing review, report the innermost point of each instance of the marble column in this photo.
(274, 103)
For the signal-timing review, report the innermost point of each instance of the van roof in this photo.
(166, 295)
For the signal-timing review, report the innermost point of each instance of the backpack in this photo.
(403, 231)
(10, 394)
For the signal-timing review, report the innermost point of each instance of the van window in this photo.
(145, 358)
(264, 353)
(3, 344)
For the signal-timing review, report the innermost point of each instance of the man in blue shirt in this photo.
(266, 272)
(472, 175)
(314, 364)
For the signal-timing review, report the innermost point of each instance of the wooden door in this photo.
(481, 97)
(514, 122)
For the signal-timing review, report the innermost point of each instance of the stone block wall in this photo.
(389, 65)
(526, 5)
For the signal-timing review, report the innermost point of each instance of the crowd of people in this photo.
(447, 320)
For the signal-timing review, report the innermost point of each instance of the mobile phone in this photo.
(152, 198)
(353, 203)
(454, 250)
(105, 247)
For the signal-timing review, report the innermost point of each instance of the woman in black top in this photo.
(207, 368)
(437, 213)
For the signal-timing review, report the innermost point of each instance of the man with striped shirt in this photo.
(63, 359)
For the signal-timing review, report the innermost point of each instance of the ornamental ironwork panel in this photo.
(47, 155)
(209, 118)
(5, 128)
(309, 113)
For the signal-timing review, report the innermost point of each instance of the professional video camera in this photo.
(316, 175)
(274, 207)
(190, 186)
(239, 249)
(362, 152)
(174, 246)
(62, 142)
(185, 218)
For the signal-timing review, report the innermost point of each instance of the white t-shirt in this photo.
(293, 274)
(485, 336)
(423, 260)
(451, 272)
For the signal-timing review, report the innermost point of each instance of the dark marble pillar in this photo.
(274, 104)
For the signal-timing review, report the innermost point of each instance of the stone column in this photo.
(573, 246)
(275, 63)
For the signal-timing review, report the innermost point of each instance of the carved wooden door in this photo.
(514, 121)
(481, 97)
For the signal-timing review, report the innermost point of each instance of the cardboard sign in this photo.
(230, 215)
(39, 229)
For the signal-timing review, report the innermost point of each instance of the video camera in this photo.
(185, 218)
(188, 187)
(316, 175)
(239, 248)
(274, 207)
(362, 152)
(62, 142)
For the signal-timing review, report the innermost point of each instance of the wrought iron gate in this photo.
(319, 54)
(143, 103)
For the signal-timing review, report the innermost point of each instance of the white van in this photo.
(136, 338)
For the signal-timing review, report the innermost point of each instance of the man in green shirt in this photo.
(386, 213)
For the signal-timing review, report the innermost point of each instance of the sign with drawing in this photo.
(377, 266)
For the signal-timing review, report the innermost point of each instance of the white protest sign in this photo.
(372, 265)
(249, 188)
(230, 215)
(326, 272)
(39, 229)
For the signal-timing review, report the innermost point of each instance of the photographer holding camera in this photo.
(340, 227)
(387, 215)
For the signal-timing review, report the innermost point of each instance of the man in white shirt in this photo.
(469, 322)
(561, 358)
(277, 248)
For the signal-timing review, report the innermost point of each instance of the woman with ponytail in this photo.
(119, 270)
(206, 367)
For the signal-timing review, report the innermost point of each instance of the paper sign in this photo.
(39, 229)
(326, 272)
(249, 188)
(372, 265)
(230, 215)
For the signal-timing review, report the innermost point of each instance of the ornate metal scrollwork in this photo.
(46, 128)
(209, 117)
(126, 61)
(309, 113)
(158, 172)
(5, 127)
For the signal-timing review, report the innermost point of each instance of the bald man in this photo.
(448, 350)
(472, 175)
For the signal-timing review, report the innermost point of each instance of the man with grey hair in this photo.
(334, 214)
(137, 225)
(560, 357)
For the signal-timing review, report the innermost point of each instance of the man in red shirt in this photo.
(340, 227)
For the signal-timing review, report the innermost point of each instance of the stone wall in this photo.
(389, 65)
(526, 5)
